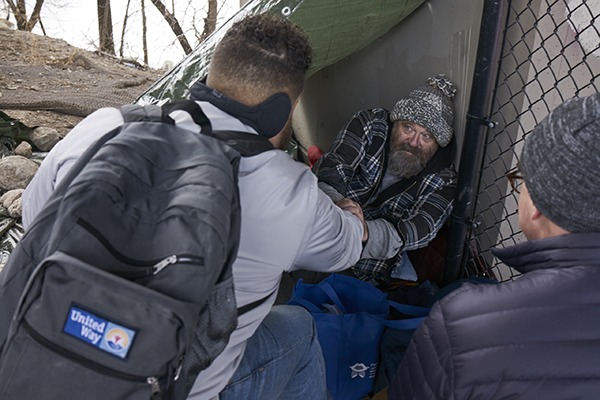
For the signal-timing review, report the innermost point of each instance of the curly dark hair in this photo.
(262, 54)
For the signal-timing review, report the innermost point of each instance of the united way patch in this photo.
(99, 332)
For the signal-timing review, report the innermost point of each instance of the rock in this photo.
(11, 203)
(44, 138)
(24, 149)
(16, 172)
(16, 208)
(9, 197)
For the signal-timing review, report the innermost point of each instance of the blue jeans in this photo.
(283, 360)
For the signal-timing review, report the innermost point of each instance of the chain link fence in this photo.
(550, 53)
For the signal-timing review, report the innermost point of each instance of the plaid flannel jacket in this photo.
(418, 207)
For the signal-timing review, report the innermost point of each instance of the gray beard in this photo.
(404, 165)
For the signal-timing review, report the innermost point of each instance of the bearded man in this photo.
(398, 167)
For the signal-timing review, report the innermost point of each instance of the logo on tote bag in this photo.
(359, 370)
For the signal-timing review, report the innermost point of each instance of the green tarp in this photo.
(337, 28)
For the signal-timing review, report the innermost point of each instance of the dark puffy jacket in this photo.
(537, 337)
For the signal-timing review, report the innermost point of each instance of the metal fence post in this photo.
(489, 48)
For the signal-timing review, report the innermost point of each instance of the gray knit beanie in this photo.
(560, 163)
(431, 106)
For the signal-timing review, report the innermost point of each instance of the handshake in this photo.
(355, 208)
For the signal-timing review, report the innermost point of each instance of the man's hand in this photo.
(355, 208)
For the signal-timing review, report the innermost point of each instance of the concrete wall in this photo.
(439, 37)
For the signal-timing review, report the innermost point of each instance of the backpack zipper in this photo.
(153, 382)
(159, 266)
(86, 363)
(143, 267)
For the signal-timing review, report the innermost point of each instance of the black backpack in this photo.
(122, 287)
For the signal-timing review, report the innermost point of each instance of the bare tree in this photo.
(210, 22)
(174, 24)
(125, 18)
(144, 34)
(19, 10)
(167, 10)
(105, 27)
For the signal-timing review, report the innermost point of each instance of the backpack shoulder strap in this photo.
(192, 108)
(251, 306)
(139, 113)
(245, 143)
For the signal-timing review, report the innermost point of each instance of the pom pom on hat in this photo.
(431, 106)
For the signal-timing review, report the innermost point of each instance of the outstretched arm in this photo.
(333, 240)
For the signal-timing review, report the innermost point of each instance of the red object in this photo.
(314, 153)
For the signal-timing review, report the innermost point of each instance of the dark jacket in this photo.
(537, 337)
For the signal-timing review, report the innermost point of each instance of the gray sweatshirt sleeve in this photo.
(384, 241)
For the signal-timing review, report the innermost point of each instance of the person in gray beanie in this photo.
(535, 337)
(397, 165)
(560, 170)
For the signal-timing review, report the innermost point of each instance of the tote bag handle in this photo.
(330, 292)
(419, 313)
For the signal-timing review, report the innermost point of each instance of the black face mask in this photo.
(268, 117)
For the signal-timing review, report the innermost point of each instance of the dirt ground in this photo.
(47, 82)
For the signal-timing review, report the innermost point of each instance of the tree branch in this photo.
(174, 24)
(35, 15)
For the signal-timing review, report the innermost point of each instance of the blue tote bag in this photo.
(350, 316)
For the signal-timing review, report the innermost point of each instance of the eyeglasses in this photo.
(409, 129)
(515, 178)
